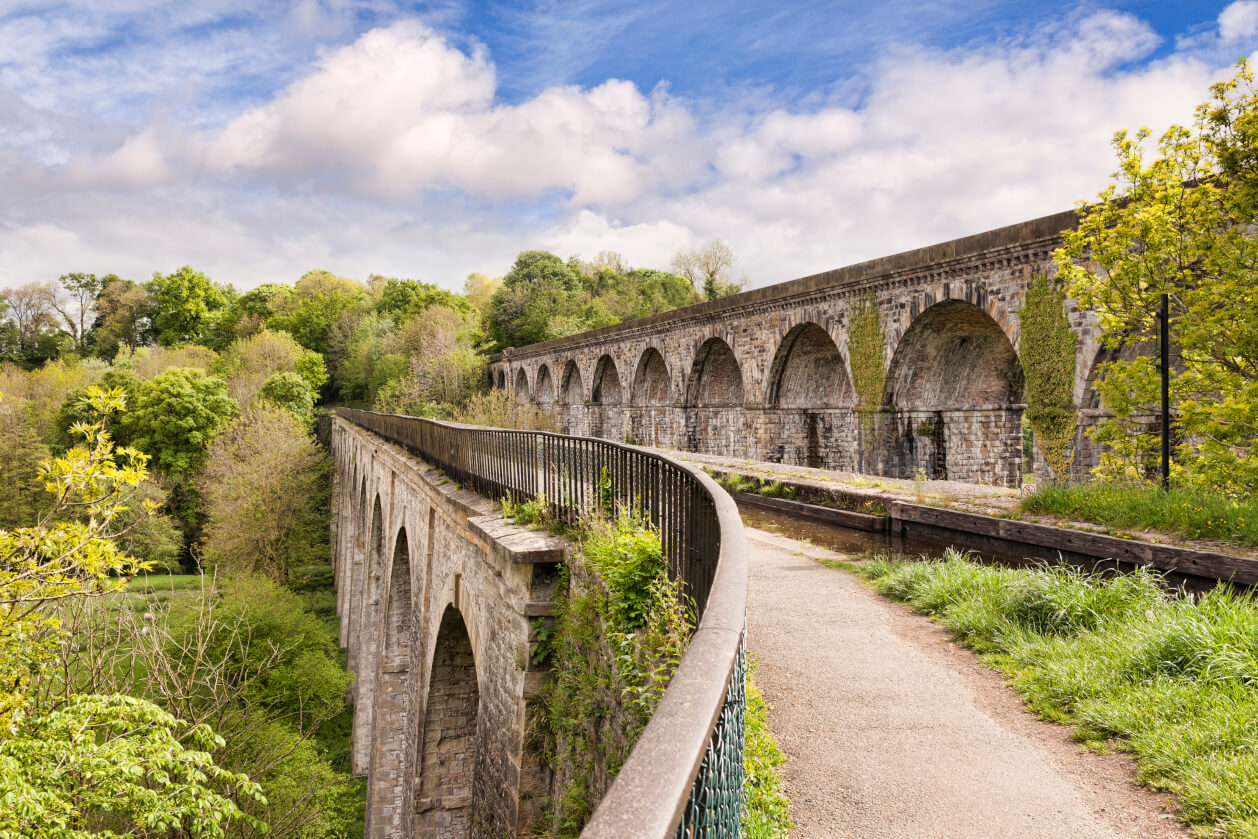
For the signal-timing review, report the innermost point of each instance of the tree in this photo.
(80, 308)
(122, 310)
(263, 484)
(708, 269)
(248, 314)
(479, 289)
(249, 362)
(1181, 224)
(83, 765)
(176, 415)
(318, 300)
(292, 393)
(539, 289)
(185, 305)
(31, 310)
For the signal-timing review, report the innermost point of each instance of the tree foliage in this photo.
(186, 305)
(709, 269)
(264, 485)
(1180, 223)
(86, 765)
(1046, 348)
(176, 415)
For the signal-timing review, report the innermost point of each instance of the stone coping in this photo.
(1043, 229)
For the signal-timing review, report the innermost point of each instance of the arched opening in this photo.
(650, 382)
(606, 387)
(571, 391)
(521, 385)
(502, 380)
(545, 386)
(809, 379)
(808, 371)
(393, 682)
(954, 393)
(715, 421)
(716, 380)
(368, 640)
(448, 759)
(606, 419)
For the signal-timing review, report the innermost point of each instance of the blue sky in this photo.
(256, 141)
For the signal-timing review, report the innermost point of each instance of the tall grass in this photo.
(1180, 511)
(766, 809)
(1172, 680)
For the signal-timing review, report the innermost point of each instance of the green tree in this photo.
(122, 310)
(292, 393)
(1180, 223)
(264, 484)
(539, 289)
(185, 305)
(85, 765)
(249, 313)
(249, 362)
(318, 300)
(176, 415)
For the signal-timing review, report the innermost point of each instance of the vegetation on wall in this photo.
(1046, 348)
(867, 353)
(619, 630)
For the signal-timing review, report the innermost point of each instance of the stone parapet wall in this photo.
(436, 593)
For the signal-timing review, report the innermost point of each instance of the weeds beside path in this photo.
(1172, 680)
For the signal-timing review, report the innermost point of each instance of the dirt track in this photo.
(893, 731)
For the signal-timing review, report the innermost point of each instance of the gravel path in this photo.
(892, 731)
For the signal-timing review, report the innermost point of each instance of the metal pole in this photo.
(1164, 339)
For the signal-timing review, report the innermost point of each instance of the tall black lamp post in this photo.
(1164, 339)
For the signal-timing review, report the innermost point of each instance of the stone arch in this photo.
(953, 398)
(716, 378)
(368, 640)
(808, 371)
(571, 391)
(502, 380)
(954, 355)
(390, 747)
(522, 385)
(545, 386)
(605, 388)
(447, 771)
(651, 385)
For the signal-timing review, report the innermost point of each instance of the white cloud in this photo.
(1239, 20)
(394, 154)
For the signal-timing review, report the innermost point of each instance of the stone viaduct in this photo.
(435, 592)
(766, 374)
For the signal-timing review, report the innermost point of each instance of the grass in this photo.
(766, 809)
(157, 583)
(1182, 512)
(1173, 680)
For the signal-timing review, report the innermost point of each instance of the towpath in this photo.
(892, 731)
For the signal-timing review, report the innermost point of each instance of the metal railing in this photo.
(684, 775)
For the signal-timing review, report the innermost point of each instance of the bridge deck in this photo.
(892, 731)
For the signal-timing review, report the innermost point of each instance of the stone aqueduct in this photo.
(766, 374)
(435, 593)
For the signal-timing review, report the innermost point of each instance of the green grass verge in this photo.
(766, 810)
(1180, 511)
(1172, 680)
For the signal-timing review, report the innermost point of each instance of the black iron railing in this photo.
(575, 475)
(684, 776)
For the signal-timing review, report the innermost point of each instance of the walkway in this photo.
(894, 732)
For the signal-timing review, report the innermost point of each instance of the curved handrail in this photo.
(684, 774)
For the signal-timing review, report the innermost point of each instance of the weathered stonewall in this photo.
(766, 374)
(435, 592)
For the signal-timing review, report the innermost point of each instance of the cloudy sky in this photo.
(256, 141)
